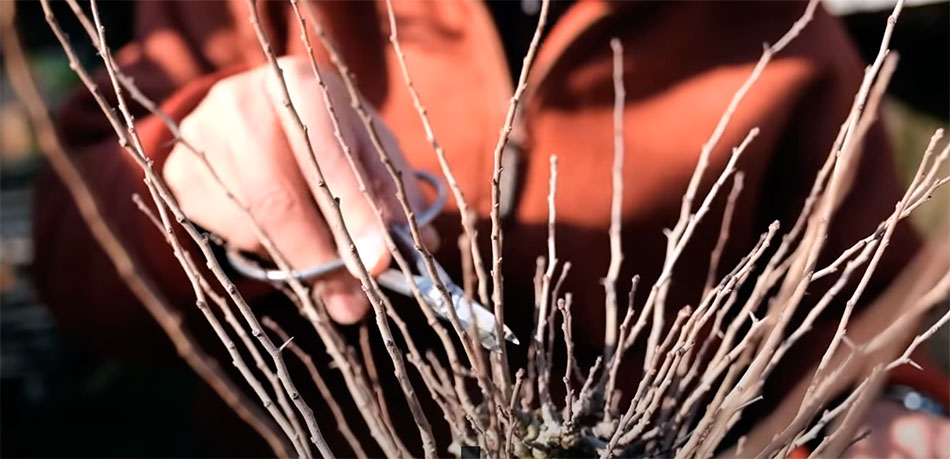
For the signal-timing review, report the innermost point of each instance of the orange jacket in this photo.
(683, 62)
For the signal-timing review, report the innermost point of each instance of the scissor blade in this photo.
(395, 281)
(484, 322)
(468, 312)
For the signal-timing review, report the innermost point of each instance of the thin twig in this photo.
(496, 242)
(299, 438)
(564, 305)
(616, 205)
(324, 192)
(939, 291)
(339, 419)
(466, 213)
(724, 232)
(129, 141)
(613, 367)
(512, 421)
(128, 269)
(430, 314)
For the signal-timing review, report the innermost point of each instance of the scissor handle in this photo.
(250, 269)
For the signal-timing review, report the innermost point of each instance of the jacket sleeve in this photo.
(174, 59)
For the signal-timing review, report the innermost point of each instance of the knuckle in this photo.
(222, 90)
(244, 240)
(189, 126)
(272, 204)
(224, 99)
(176, 170)
(294, 66)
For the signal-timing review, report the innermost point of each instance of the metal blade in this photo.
(469, 312)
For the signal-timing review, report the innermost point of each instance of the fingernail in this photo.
(373, 252)
(346, 307)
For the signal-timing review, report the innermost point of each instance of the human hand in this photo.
(900, 433)
(257, 151)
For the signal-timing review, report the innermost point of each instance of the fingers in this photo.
(256, 164)
(386, 188)
(357, 211)
(361, 221)
(262, 157)
(280, 200)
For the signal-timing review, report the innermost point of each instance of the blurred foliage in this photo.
(19, 157)
(909, 133)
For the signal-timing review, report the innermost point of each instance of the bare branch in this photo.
(373, 293)
(128, 269)
(339, 419)
(616, 205)
(497, 293)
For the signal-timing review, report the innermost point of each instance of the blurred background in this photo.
(59, 399)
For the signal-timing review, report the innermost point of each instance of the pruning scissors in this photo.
(469, 312)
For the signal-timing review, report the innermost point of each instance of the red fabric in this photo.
(929, 380)
(683, 63)
(802, 452)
